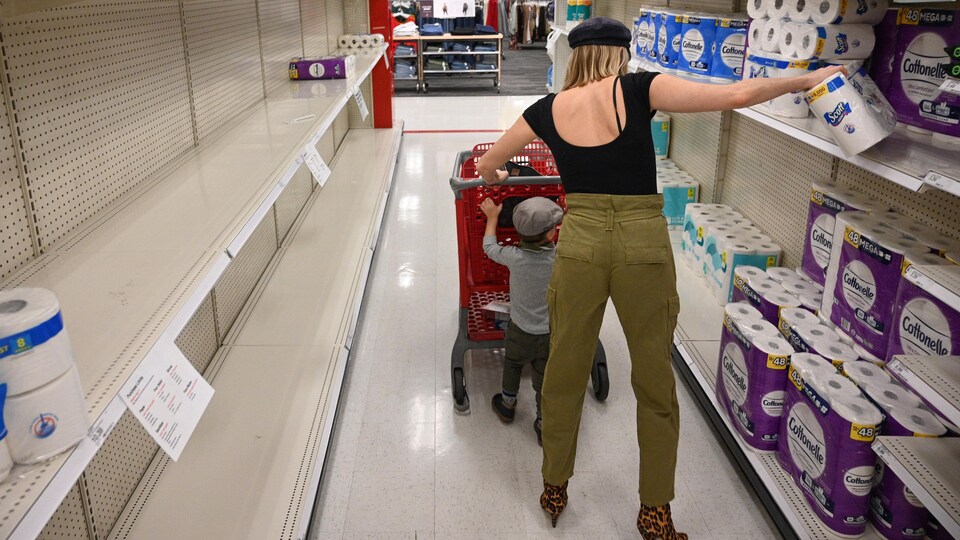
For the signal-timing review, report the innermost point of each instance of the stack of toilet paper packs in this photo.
(678, 188)
(44, 410)
(716, 240)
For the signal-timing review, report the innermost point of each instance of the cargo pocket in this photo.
(575, 251)
(645, 254)
(673, 313)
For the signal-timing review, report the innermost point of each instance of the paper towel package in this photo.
(34, 347)
(923, 324)
(698, 39)
(918, 65)
(751, 377)
(668, 41)
(854, 120)
(826, 201)
(731, 45)
(46, 421)
(825, 436)
(327, 67)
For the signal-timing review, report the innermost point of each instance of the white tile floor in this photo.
(403, 465)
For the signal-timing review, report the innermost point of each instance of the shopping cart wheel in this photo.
(461, 402)
(599, 375)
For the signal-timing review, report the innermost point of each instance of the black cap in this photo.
(600, 31)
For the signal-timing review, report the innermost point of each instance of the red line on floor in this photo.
(453, 131)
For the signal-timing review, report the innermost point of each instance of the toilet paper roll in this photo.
(788, 38)
(757, 9)
(779, 273)
(778, 9)
(759, 330)
(812, 301)
(791, 318)
(806, 364)
(750, 273)
(802, 10)
(773, 302)
(34, 347)
(837, 389)
(837, 353)
(854, 123)
(770, 39)
(798, 287)
(755, 38)
(834, 41)
(912, 422)
(889, 396)
(803, 336)
(46, 421)
(849, 12)
(854, 408)
(344, 42)
(743, 312)
(865, 373)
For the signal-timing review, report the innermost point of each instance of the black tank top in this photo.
(624, 166)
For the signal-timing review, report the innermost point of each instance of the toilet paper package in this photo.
(697, 43)
(766, 295)
(720, 268)
(865, 373)
(919, 66)
(676, 197)
(757, 9)
(779, 9)
(742, 312)
(770, 38)
(852, 219)
(869, 12)
(791, 318)
(641, 29)
(46, 421)
(755, 35)
(668, 41)
(868, 271)
(937, 242)
(660, 130)
(760, 64)
(923, 324)
(731, 46)
(655, 21)
(34, 346)
(826, 201)
(327, 67)
(855, 121)
(6, 461)
(825, 436)
(833, 41)
(751, 376)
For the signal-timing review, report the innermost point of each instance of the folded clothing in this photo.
(485, 47)
(436, 64)
(484, 29)
(406, 50)
(487, 67)
(432, 29)
(459, 65)
(459, 47)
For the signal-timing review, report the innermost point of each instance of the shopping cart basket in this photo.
(482, 280)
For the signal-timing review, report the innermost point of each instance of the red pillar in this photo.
(382, 76)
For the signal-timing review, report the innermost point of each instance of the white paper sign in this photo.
(168, 397)
(951, 86)
(316, 164)
(943, 182)
(361, 104)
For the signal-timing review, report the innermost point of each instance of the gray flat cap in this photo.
(536, 215)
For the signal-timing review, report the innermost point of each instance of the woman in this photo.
(615, 245)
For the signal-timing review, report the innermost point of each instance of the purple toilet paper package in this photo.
(895, 511)
(829, 456)
(882, 61)
(919, 66)
(924, 325)
(826, 201)
(751, 377)
(328, 67)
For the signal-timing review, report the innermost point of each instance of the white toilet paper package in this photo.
(848, 12)
(34, 347)
(825, 436)
(826, 201)
(763, 65)
(924, 324)
(751, 377)
(856, 115)
(757, 9)
(46, 421)
(6, 460)
(831, 41)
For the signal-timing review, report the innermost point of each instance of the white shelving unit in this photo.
(698, 341)
(130, 280)
(931, 469)
(936, 378)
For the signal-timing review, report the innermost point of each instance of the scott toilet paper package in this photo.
(917, 66)
(832, 41)
(34, 347)
(751, 376)
(855, 112)
(46, 421)
(825, 436)
(868, 12)
(923, 324)
(827, 199)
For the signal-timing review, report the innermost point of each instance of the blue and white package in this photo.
(677, 194)
(731, 46)
(699, 36)
(668, 41)
(6, 461)
(642, 34)
(660, 130)
(654, 28)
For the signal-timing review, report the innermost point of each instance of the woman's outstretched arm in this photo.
(673, 94)
(508, 146)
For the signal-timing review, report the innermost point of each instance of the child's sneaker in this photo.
(504, 411)
(538, 427)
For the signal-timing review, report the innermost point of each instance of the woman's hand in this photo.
(498, 177)
(814, 78)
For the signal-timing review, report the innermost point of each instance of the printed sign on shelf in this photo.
(361, 104)
(943, 182)
(316, 164)
(168, 397)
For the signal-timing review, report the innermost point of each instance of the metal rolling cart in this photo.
(482, 280)
(415, 41)
(425, 55)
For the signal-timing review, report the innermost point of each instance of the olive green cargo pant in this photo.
(613, 246)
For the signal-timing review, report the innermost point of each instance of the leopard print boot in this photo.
(554, 500)
(656, 523)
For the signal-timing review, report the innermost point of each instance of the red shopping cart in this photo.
(483, 281)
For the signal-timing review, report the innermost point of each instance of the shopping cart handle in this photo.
(458, 184)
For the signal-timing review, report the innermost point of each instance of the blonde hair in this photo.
(591, 63)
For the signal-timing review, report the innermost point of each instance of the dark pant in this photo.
(523, 349)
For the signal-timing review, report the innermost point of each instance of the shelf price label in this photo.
(951, 86)
(318, 167)
(942, 181)
(361, 103)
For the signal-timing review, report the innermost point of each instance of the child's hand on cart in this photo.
(490, 209)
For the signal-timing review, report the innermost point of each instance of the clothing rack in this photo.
(453, 56)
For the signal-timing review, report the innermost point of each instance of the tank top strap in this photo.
(616, 109)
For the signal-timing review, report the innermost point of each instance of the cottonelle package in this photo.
(825, 436)
(751, 376)
(730, 49)
(924, 324)
(768, 296)
(697, 43)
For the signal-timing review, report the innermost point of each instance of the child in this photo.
(530, 264)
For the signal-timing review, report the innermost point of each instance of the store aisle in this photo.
(403, 465)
